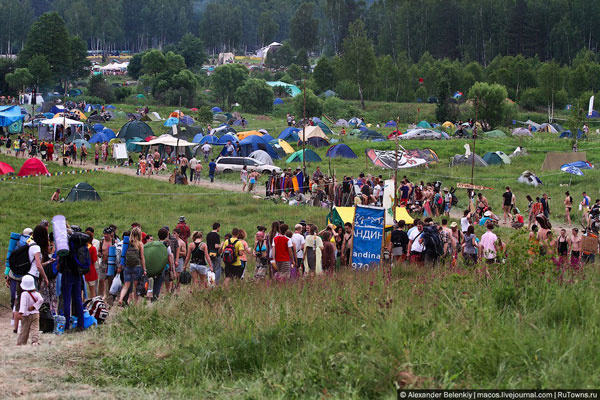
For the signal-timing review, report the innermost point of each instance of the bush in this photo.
(173, 97)
(122, 93)
(99, 87)
(531, 99)
(314, 105)
(90, 99)
(204, 115)
(347, 90)
(336, 108)
(255, 96)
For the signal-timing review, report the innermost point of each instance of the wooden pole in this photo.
(304, 130)
(396, 172)
(474, 140)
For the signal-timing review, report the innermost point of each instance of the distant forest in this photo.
(465, 30)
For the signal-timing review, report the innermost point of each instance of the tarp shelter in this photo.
(277, 101)
(317, 142)
(134, 129)
(340, 150)
(529, 178)
(262, 157)
(83, 191)
(309, 156)
(285, 146)
(522, 132)
(461, 159)
(292, 90)
(496, 158)
(10, 115)
(33, 166)
(324, 128)
(424, 125)
(578, 164)
(309, 132)
(289, 133)
(391, 124)
(494, 134)
(244, 135)
(253, 143)
(132, 145)
(554, 161)
(342, 123)
(6, 169)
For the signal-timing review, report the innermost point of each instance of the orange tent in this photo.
(243, 135)
(176, 114)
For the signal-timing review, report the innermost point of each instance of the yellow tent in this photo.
(448, 124)
(81, 115)
(402, 214)
(114, 141)
(286, 147)
(243, 135)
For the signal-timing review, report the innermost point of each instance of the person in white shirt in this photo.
(298, 242)
(206, 149)
(465, 221)
(377, 192)
(193, 162)
(415, 244)
(29, 311)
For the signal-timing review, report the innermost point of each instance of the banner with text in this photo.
(368, 236)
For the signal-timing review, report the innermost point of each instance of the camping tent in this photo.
(317, 142)
(171, 121)
(521, 132)
(289, 133)
(495, 134)
(98, 127)
(340, 150)
(461, 159)
(253, 143)
(277, 101)
(80, 142)
(167, 140)
(154, 116)
(342, 122)
(132, 146)
(546, 127)
(285, 146)
(135, 129)
(228, 138)
(33, 166)
(6, 169)
(496, 158)
(292, 90)
(187, 120)
(197, 138)
(529, 178)
(83, 191)
(554, 161)
(371, 135)
(210, 139)
(568, 135)
(243, 135)
(324, 128)
(10, 115)
(448, 125)
(261, 156)
(390, 124)
(309, 156)
(101, 137)
(309, 132)
(424, 125)
(534, 125)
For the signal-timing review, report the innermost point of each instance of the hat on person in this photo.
(445, 189)
(75, 228)
(27, 232)
(453, 225)
(302, 222)
(182, 219)
(487, 214)
(27, 283)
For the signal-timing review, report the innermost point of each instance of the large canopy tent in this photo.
(167, 140)
(33, 166)
(10, 115)
(340, 150)
(496, 158)
(134, 129)
(55, 122)
(83, 191)
(309, 156)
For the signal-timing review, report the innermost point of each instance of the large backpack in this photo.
(97, 308)
(79, 254)
(433, 243)
(230, 253)
(18, 262)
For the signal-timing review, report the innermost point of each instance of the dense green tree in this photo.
(324, 74)
(359, 58)
(490, 102)
(226, 80)
(281, 57)
(304, 27)
(550, 76)
(204, 115)
(154, 62)
(99, 87)
(268, 28)
(19, 79)
(192, 50)
(40, 70)
(134, 69)
(255, 96)
(314, 105)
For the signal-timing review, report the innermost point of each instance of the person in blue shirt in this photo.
(212, 167)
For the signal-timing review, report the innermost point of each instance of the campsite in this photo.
(299, 200)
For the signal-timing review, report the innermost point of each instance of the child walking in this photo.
(29, 310)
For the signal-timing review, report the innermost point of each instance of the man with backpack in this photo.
(73, 267)
(232, 248)
(432, 243)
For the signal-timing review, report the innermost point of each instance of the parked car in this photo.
(231, 164)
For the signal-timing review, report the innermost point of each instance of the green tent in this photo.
(83, 191)
(496, 158)
(134, 129)
(325, 128)
(495, 134)
(309, 156)
(424, 124)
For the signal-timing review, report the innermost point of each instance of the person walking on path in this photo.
(507, 198)
(29, 311)
(568, 207)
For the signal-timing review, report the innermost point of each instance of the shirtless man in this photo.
(179, 258)
(576, 240)
(105, 243)
(347, 244)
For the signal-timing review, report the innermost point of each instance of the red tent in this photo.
(149, 138)
(33, 166)
(6, 169)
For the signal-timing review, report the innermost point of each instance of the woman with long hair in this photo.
(135, 264)
(244, 255)
(198, 259)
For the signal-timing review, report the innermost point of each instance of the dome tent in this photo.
(135, 129)
(495, 134)
(496, 158)
(340, 150)
(33, 166)
(317, 142)
(83, 191)
(289, 133)
(261, 156)
(309, 156)
(253, 143)
(461, 159)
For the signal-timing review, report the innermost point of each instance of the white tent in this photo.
(312, 131)
(167, 140)
(262, 157)
(61, 121)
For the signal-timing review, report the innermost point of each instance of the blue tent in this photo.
(268, 138)
(57, 109)
(316, 120)
(110, 106)
(317, 142)
(255, 142)
(209, 139)
(277, 101)
(289, 133)
(567, 134)
(171, 121)
(187, 120)
(101, 138)
(228, 138)
(594, 115)
(216, 110)
(237, 122)
(98, 127)
(340, 150)
(49, 115)
(197, 138)
(109, 133)
(10, 115)
(390, 124)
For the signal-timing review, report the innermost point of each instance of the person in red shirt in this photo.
(92, 276)
(283, 252)
(184, 229)
(144, 235)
